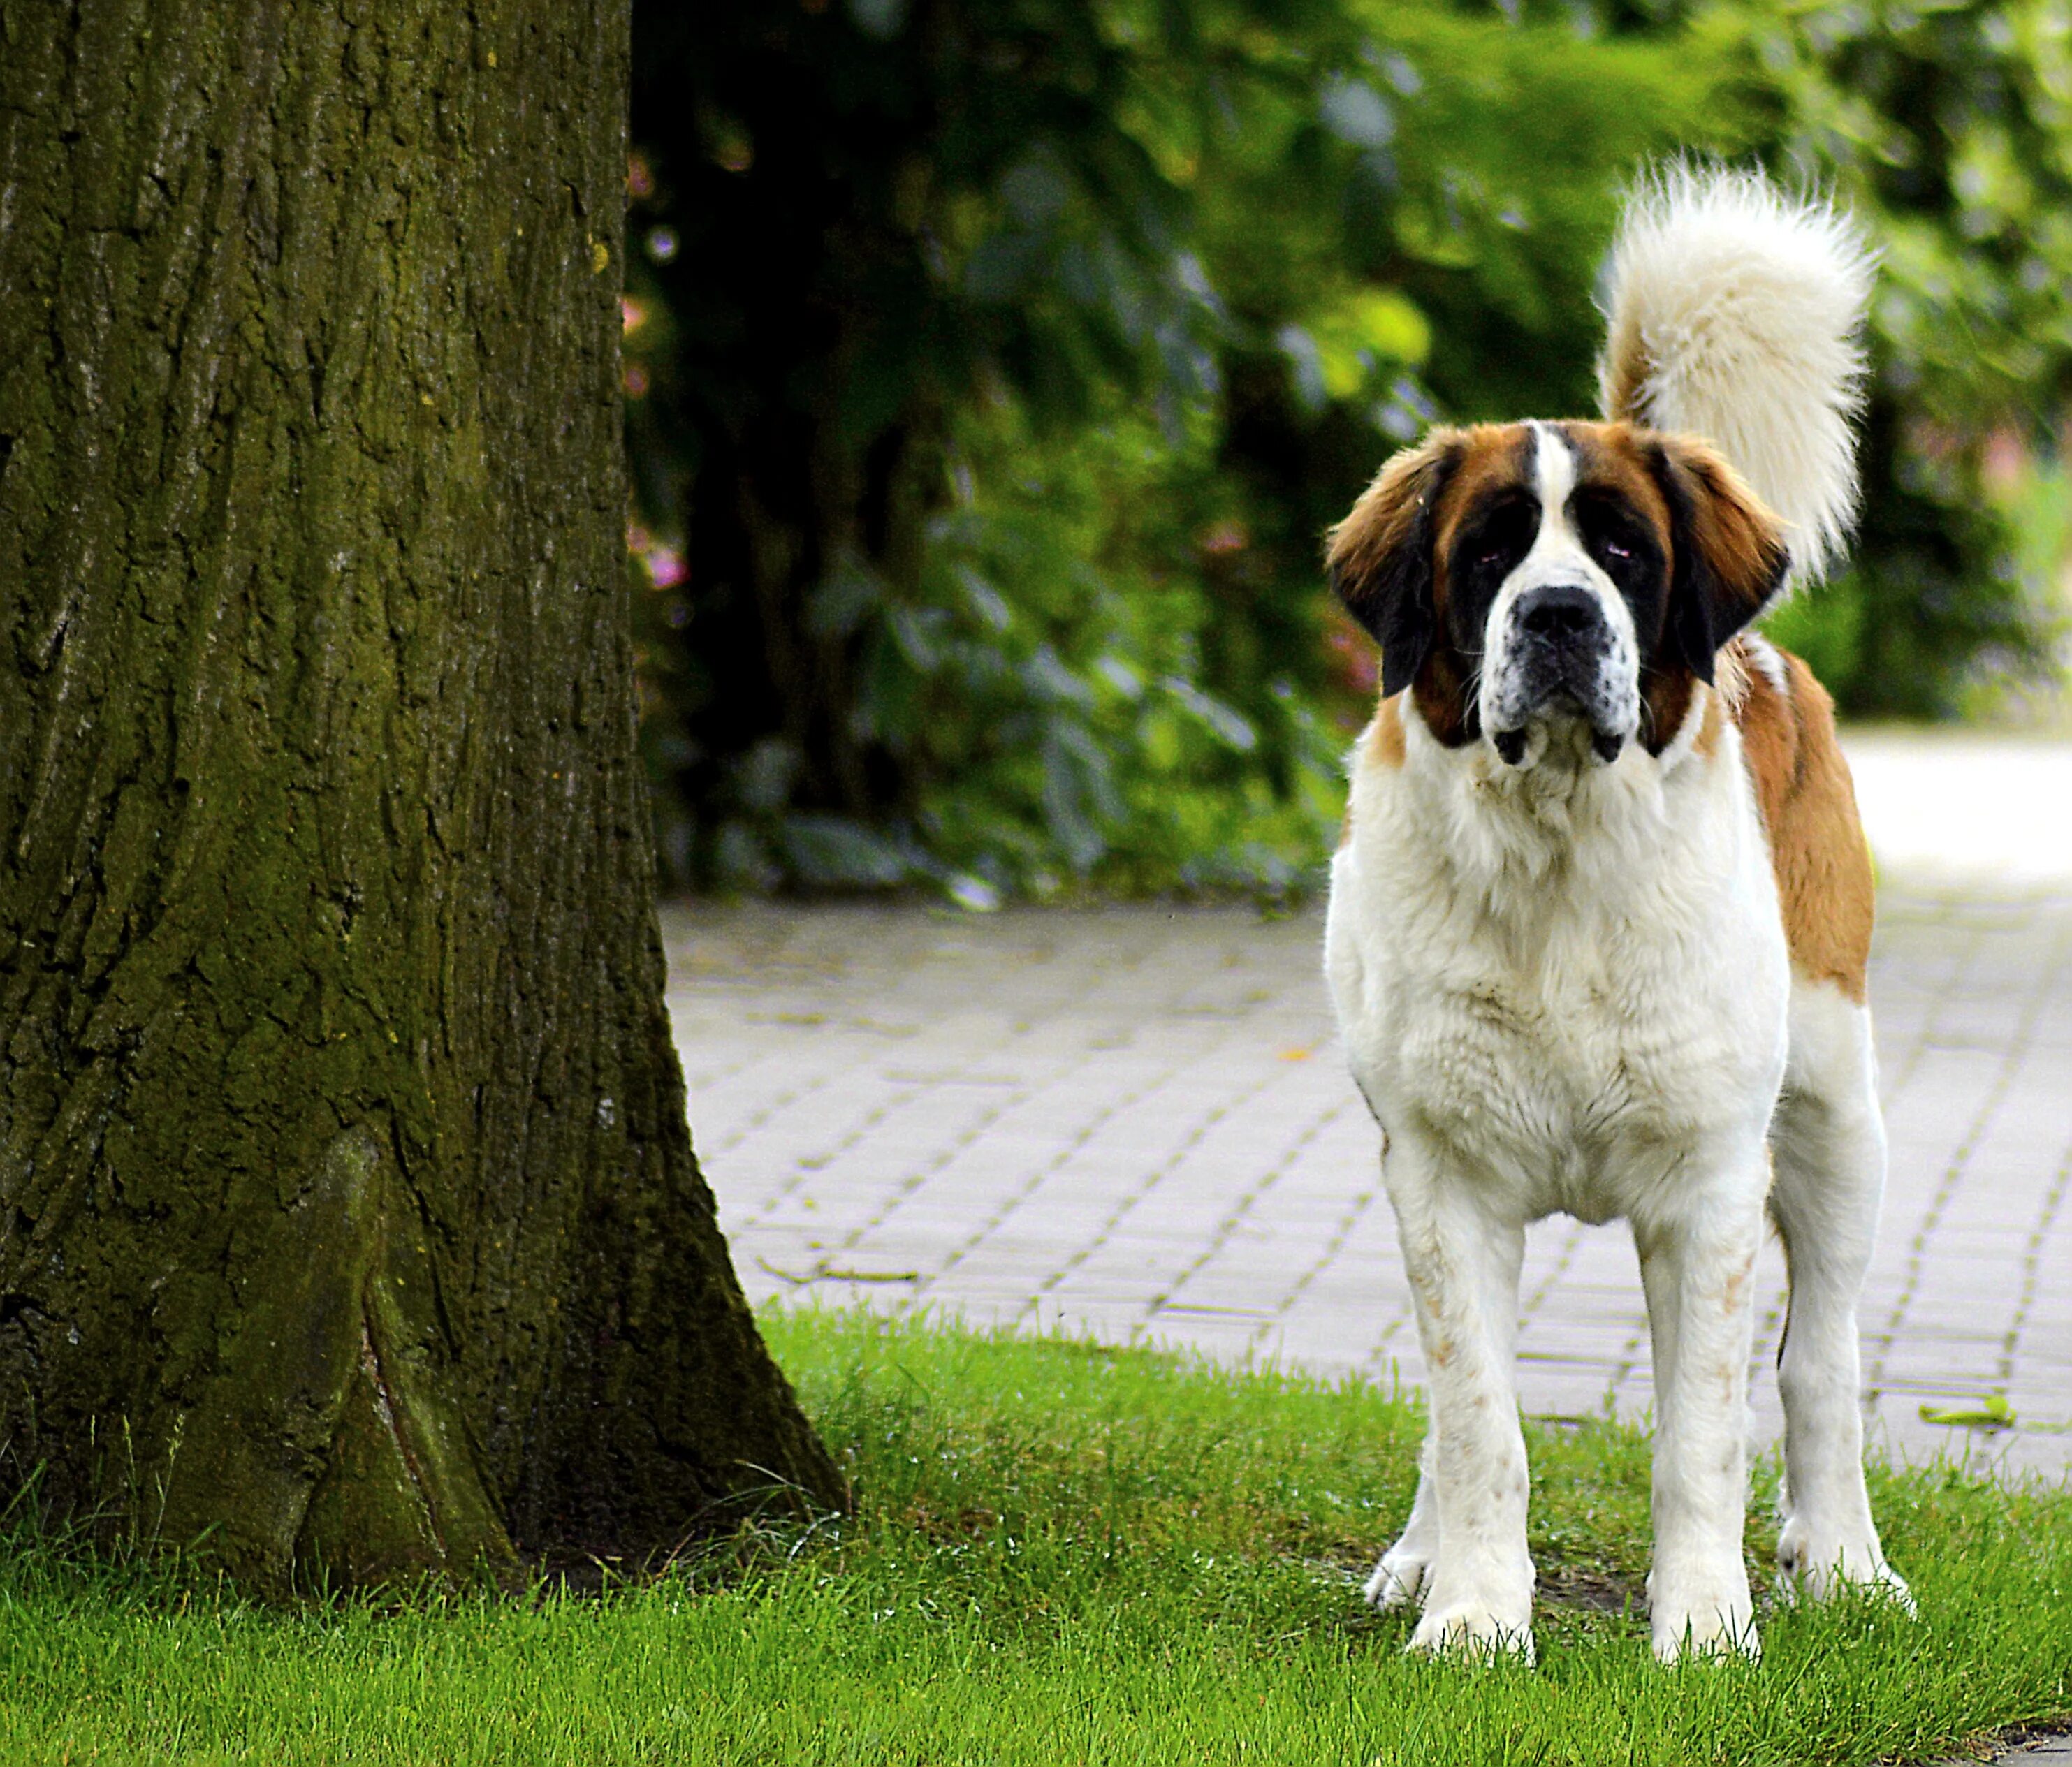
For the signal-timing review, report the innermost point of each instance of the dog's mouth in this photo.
(1562, 711)
(1557, 695)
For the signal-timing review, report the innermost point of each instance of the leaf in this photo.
(1991, 1412)
(1355, 111)
(1232, 726)
(832, 851)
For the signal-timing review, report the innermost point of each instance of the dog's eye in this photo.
(1500, 539)
(1609, 547)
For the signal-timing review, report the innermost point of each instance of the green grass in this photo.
(1065, 1555)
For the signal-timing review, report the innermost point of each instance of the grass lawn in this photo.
(1065, 1554)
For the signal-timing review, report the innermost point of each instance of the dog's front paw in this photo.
(1399, 1576)
(1475, 1628)
(1488, 1618)
(1716, 1619)
(1815, 1564)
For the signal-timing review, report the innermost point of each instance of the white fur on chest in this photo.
(1573, 978)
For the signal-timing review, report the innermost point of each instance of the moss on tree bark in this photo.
(349, 1219)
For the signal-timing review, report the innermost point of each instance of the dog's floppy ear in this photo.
(1380, 557)
(1729, 554)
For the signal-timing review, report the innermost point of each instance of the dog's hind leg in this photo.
(1828, 1140)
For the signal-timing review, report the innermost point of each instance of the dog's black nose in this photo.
(1561, 614)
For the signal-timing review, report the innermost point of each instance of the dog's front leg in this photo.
(1462, 1258)
(1699, 1268)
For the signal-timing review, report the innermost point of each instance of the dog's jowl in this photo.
(1600, 920)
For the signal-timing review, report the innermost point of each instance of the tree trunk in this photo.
(348, 1214)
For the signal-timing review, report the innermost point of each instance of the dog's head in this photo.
(1520, 577)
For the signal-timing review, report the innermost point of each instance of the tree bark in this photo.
(349, 1220)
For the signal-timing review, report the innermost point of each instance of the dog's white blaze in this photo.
(1557, 555)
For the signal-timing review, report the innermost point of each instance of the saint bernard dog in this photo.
(1600, 918)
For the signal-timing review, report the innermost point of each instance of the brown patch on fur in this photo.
(1816, 838)
(1393, 545)
(1623, 370)
(1380, 745)
(1360, 548)
(1665, 702)
(1730, 528)
(1614, 456)
(1491, 456)
(1441, 697)
(1710, 722)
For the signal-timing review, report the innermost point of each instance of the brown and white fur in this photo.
(1599, 922)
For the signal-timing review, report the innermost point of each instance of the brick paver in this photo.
(1136, 1121)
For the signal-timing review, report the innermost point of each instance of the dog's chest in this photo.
(1587, 1053)
(1575, 1041)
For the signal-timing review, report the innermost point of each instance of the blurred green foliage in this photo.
(997, 364)
(1948, 128)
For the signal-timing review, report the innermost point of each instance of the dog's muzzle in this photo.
(1560, 644)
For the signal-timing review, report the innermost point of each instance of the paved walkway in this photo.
(2056, 1750)
(1136, 1121)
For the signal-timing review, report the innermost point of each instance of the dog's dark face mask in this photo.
(1525, 576)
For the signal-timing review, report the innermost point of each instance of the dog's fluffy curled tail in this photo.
(1735, 314)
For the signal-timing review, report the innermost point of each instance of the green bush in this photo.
(1947, 128)
(1054, 685)
(998, 365)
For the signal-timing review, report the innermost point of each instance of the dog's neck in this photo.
(1563, 817)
